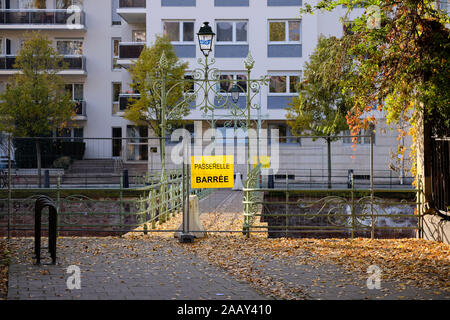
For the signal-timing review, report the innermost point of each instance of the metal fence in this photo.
(86, 212)
(440, 172)
(99, 162)
(113, 193)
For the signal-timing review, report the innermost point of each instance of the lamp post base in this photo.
(186, 238)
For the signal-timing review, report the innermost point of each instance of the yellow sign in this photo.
(212, 172)
(264, 160)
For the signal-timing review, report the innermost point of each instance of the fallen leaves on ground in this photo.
(407, 262)
(4, 262)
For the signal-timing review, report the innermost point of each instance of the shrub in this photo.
(62, 162)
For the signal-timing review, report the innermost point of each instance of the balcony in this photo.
(129, 52)
(51, 19)
(125, 100)
(76, 65)
(132, 11)
(80, 110)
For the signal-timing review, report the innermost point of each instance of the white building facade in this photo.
(109, 34)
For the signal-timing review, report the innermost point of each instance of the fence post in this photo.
(419, 207)
(287, 203)
(183, 191)
(353, 207)
(126, 181)
(9, 186)
(372, 234)
(47, 179)
(58, 193)
(121, 202)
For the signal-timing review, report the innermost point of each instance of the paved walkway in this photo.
(115, 268)
(160, 268)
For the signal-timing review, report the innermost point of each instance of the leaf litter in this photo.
(418, 263)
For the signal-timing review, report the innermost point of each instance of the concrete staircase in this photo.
(92, 172)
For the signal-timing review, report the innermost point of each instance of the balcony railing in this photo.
(80, 108)
(130, 50)
(56, 17)
(74, 62)
(132, 4)
(125, 100)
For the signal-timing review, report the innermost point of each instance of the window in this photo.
(231, 31)
(70, 133)
(284, 31)
(115, 53)
(26, 4)
(283, 84)
(227, 82)
(64, 4)
(362, 132)
(139, 36)
(444, 5)
(179, 31)
(78, 133)
(116, 89)
(115, 18)
(70, 47)
(117, 142)
(76, 91)
(137, 146)
(284, 133)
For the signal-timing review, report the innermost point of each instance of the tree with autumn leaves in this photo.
(321, 105)
(401, 67)
(146, 77)
(35, 103)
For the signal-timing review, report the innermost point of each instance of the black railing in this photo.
(7, 62)
(125, 100)
(57, 17)
(440, 172)
(74, 62)
(130, 50)
(132, 3)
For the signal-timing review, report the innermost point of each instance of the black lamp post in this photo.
(206, 38)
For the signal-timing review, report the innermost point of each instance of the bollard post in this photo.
(46, 179)
(271, 181)
(126, 181)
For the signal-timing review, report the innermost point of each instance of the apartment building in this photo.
(108, 36)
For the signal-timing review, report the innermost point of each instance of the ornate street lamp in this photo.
(206, 38)
(235, 94)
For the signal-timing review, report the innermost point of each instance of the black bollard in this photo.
(271, 183)
(126, 181)
(46, 179)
